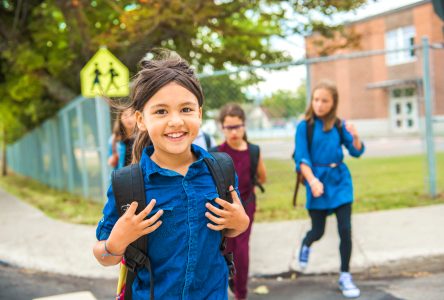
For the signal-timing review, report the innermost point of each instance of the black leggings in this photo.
(343, 215)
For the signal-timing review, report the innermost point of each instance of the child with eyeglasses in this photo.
(251, 171)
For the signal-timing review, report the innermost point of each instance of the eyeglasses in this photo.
(233, 127)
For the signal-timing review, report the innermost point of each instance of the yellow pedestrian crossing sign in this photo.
(104, 75)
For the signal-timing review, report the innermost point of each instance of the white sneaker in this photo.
(304, 254)
(346, 285)
(299, 261)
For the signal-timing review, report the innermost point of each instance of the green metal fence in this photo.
(69, 151)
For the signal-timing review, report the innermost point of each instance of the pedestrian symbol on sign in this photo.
(96, 81)
(112, 73)
(104, 75)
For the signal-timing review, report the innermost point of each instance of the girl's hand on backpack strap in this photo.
(131, 226)
(231, 216)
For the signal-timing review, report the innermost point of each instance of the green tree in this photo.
(285, 103)
(45, 43)
(223, 89)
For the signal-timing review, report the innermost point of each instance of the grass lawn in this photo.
(55, 204)
(380, 183)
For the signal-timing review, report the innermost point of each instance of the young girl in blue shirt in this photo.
(184, 216)
(327, 178)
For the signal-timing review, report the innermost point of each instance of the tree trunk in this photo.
(4, 169)
(56, 88)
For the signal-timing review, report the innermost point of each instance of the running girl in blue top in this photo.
(327, 178)
(184, 217)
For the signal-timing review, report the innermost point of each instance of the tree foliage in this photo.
(286, 103)
(45, 43)
(220, 90)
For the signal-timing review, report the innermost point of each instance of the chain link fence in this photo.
(383, 92)
(69, 151)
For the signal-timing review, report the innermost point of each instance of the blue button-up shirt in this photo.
(325, 149)
(184, 252)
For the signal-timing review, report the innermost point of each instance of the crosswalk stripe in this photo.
(71, 296)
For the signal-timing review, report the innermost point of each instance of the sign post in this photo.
(104, 75)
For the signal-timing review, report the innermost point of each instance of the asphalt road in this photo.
(412, 280)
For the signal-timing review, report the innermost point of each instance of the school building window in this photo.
(400, 38)
(404, 109)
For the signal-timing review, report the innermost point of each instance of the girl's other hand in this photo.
(113, 160)
(131, 226)
(351, 128)
(317, 189)
(230, 216)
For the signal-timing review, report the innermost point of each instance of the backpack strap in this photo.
(223, 172)
(310, 129)
(254, 152)
(128, 186)
(213, 149)
(127, 183)
(338, 125)
(207, 140)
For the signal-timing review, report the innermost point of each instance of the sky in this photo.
(292, 78)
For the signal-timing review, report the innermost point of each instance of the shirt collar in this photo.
(150, 167)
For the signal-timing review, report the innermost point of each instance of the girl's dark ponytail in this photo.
(142, 140)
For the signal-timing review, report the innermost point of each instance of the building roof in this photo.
(388, 12)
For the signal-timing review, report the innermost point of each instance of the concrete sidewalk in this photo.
(29, 239)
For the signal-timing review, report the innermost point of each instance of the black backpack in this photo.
(310, 129)
(128, 186)
(254, 152)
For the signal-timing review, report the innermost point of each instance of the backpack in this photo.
(310, 129)
(254, 152)
(128, 186)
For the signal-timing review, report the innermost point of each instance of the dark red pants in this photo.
(240, 248)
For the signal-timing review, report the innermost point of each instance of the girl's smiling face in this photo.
(172, 117)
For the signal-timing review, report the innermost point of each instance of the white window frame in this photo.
(400, 38)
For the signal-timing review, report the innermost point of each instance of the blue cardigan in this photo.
(326, 148)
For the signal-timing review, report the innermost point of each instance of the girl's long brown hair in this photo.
(232, 110)
(159, 68)
(330, 118)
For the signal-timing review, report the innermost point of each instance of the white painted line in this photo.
(71, 296)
